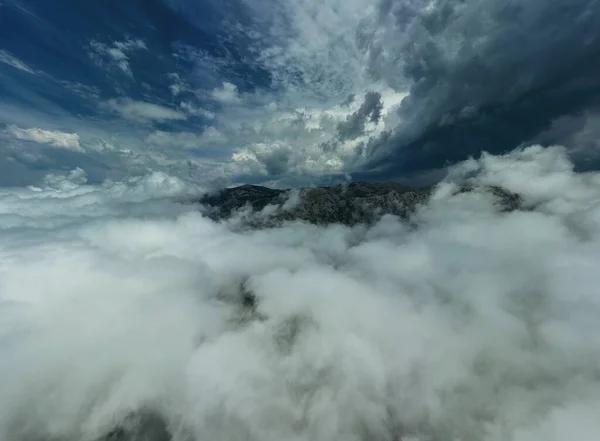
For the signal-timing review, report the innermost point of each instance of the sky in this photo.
(123, 306)
(291, 93)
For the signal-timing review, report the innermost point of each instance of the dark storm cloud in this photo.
(354, 125)
(349, 99)
(370, 110)
(276, 161)
(581, 133)
(484, 76)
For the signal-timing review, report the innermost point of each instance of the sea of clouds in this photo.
(466, 324)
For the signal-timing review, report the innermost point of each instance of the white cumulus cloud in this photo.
(227, 94)
(54, 138)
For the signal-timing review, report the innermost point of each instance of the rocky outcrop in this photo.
(140, 426)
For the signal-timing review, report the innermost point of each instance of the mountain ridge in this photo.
(346, 204)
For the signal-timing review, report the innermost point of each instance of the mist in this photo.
(465, 323)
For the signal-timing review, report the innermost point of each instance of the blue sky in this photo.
(290, 93)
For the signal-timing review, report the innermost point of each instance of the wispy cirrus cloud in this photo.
(11, 60)
(178, 84)
(142, 111)
(186, 140)
(194, 110)
(116, 54)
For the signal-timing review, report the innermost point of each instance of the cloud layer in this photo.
(466, 324)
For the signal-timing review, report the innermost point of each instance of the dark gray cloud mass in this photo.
(354, 125)
(484, 76)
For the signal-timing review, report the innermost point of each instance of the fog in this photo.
(466, 323)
